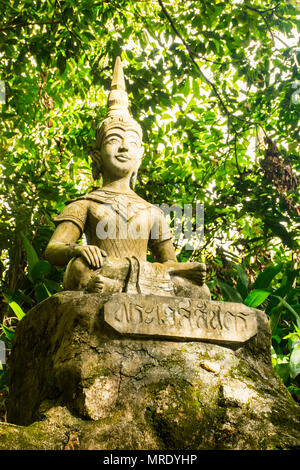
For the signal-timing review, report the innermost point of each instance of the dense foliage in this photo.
(214, 86)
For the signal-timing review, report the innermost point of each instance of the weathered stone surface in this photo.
(57, 431)
(181, 318)
(83, 382)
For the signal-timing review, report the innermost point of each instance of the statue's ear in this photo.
(95, 155)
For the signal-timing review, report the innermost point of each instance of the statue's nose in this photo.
(123, 145)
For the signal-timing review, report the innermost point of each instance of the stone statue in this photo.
(135, 355)
(120, 227)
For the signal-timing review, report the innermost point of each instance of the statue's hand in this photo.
(96, 284)
(103, 285)
(93, 255)
(193, 271)
(198, 273)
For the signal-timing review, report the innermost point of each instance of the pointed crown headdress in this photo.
(118, 113)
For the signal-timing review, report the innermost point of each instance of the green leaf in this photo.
(295, 362)
(186, 87)
(275, 315)
(3, 378)
(287, 282)
(242, 274)
(41, 292)
(256, 297)
(283, 370)
(241, 289)
(280, 231)
(15, 307)
(53, 285)
(264, 279)
(40, 270)
(9, 333)
(32, 257)
(289, 308)
(48, 292)
(196, 88)
(229, 292)
(61, 63)
(243, 281)
(17, 310)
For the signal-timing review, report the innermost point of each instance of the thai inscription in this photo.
(180, 317)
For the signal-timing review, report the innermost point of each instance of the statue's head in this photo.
(119, 146)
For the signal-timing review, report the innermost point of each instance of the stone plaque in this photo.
(180, 318)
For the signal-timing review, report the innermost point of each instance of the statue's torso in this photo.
(122, 225)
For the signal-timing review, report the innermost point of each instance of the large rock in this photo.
(75, 378)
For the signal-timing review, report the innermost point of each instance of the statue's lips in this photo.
(122, 158)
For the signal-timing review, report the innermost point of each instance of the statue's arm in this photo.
(164, 252)
(62, 247)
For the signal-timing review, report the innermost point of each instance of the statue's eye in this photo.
(114, 140)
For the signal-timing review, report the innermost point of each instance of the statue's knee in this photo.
(77, 274)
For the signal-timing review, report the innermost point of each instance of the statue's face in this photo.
(121, 152)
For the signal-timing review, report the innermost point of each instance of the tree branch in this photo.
(261, 13)
(23, 25)
(265, 10)
(235, 155)
(66, 25)
(279, 39)
(191, 55)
